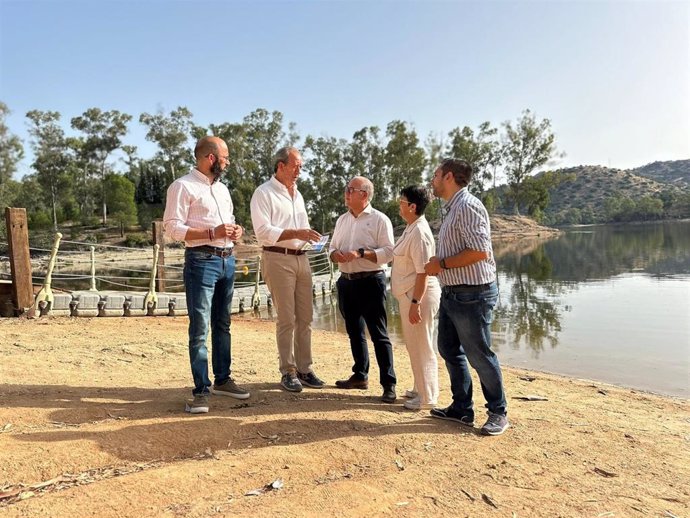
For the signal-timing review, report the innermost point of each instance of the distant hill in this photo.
(674, 172)
(590, 194)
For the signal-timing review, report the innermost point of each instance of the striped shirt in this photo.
(371, 230)
(466, 226)
(194, 202)
(274, 210)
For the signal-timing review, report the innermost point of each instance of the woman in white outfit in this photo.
(418, 296)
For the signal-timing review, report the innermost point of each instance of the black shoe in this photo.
(450, 414)
(352, 383)
(310, 380)
(389, 394)
(290, 382)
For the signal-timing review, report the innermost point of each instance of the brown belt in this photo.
(281, 250)
(207, 249)
(359, 275)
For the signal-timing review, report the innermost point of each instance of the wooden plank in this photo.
(159, 239)
(20, 261)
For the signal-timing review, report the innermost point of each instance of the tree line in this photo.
(92, 176)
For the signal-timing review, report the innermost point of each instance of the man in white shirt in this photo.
(199, 211)
(362, 243)
(280, 222)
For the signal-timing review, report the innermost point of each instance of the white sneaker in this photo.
(416, 404)
(411, 394)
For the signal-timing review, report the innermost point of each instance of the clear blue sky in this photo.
(613, 77)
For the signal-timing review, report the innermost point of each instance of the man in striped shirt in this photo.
(467, 272)
(199, 211)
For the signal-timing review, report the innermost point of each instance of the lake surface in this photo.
(608, 303)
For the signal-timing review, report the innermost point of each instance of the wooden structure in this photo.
(21, 290)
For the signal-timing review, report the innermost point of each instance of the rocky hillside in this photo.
(588, 194)
(675, 172)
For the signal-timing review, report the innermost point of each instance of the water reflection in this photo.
(604, 302)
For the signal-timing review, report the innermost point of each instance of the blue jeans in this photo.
(464, 334)
(209, 282)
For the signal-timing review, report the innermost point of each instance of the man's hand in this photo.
(228, 230)
(415, 314)
(307, 234)
(344, 257)
(433, 267)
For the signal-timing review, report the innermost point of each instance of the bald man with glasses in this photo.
(362, 244)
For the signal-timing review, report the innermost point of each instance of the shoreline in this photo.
(101, 431)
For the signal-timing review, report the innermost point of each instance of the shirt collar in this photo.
(202, 177)
(280, 187)
(365, 210)
(455, 197)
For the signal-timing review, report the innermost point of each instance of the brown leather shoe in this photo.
(352, 383)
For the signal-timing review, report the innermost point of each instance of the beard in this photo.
(216, 169)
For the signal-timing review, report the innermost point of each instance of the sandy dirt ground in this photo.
(92, 424)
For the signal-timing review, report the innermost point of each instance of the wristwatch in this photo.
(415, 301)
(361, 252)
(443, 264)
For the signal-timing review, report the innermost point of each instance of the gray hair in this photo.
(368, 187)
(281, 156)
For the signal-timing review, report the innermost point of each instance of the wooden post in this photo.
(20, 261)
(159, 239)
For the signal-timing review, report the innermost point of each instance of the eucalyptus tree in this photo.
(171, 133)
(263, 135)
(103, 132)
(131, 161)
(481, 149)
(405, 163)
(50, 155)
(251, 145)
(327, 176)
(526, 146)
(11, 149)
(365, 156)
(240, 176)
(120, 192)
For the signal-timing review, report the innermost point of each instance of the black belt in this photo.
(207, 249)
(359, 275)
(281, 250)
(455, 288)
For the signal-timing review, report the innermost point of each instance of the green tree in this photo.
(526, 146)
(480, 149)
(327, 176)
(50, 156)
(365, 155)
(103, 132)
(11, 149)
(251, 146)
(171, 133)
(404, 162)
(120, 193)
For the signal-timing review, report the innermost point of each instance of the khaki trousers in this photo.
(288, 278)
(419, 339)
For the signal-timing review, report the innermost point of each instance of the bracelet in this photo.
(443, 264)
(211, 233)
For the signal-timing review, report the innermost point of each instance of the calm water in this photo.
(609, 303)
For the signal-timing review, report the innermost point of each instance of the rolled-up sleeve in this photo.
(260, 206)
(384, 252)
(475, 232)
(176, 211)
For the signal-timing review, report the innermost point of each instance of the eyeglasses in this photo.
(404, 201)
(350, 190)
